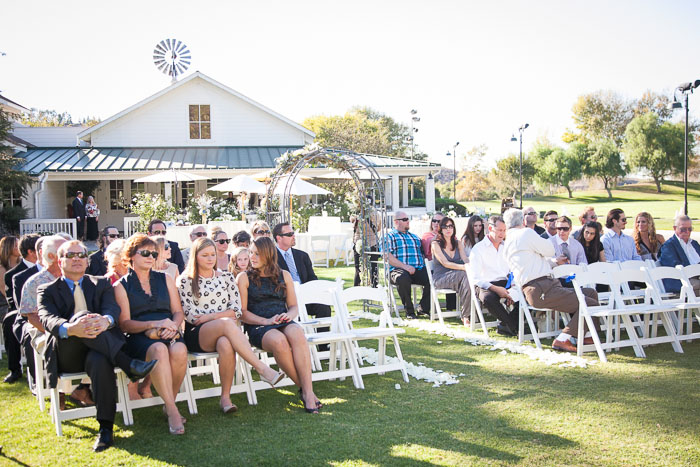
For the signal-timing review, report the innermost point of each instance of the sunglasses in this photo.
(222, 241)
(553, 219)
(434, 221)
(533, 213)
(402, 219)
(147, 253)
(75, 254)
(685, 229)
(594, 217)
(113, 235)
(449, 226)
(199, 234)
(622, 219)
(159, 232)
(564, 229)
(166, 246)
(288, 234)
(262, 232)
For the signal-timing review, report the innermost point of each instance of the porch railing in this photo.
(48, 226)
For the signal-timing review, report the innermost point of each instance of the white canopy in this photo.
(240, 184)
(167, 176)
(299, 188)
(364, 174)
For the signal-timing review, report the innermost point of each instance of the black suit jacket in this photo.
(303, 263)
(78, 209)
(56, 308)
(672, 255)
(98, 264)
(8, 284)
(176, 256)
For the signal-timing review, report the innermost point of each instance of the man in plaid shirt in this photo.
(406, 265)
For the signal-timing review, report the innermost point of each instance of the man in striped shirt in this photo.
(406, 265)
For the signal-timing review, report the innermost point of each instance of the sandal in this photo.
(279, 376)
(229, 409)
(319, 405)
(184, 420)
(176, 430)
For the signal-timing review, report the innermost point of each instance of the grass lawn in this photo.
(506, 410)
(631, 198)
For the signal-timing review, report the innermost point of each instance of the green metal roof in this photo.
(38, 160)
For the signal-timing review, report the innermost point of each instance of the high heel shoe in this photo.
(184, 420)
(319, 405)
(176, 430)
(279, 376)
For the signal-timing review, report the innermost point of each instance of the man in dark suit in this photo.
(27, 247)
(157, 227)
(80, 313)
(79, 214)
(298, 264)
(98, 263)
(680, 250)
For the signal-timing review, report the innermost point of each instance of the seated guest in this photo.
(530, 220)
(269, 308)
(240, 261)
(680, 250)
(9, 258)
(80, 313)
(406, 264)
(565, 245)
(592, 246)
(646, 239)
(151, 315)
(241, 238)
(157, 227)
(211, 303)
(448, 268)
(260, 229)
(196, 231)
(474, 233)
(98, 262)
(618, 246)
(550, 220)
(428, 237)
(527, 255)
(222, 242)
(587, 215)
(164, 254)
(490, 272)
(116, 268)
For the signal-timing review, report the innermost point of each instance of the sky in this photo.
(475, 71)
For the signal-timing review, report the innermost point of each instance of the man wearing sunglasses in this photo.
(157, 227)
(196, 231)
(550, 220)
(406, 264)
(587, 215)
(680, 249)
(98, 262)
(618, 246)
(530, 220)
(80, 313)
(567, 250)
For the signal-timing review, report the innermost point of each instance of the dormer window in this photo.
(200, 122)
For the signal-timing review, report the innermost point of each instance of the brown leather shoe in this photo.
(61, 401)
(82, 397)
(587, 341)
(565, 346)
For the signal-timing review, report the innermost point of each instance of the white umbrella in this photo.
(299, 188)
(363, 174)
(168, 176)
(240, 184)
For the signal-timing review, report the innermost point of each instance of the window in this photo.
(10, 198)
(137, 188)
(200, 122)
(116, 194)
(186, 191)
(215, 181)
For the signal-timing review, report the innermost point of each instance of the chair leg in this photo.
(668, 325)
(399, 355)
(382, 351)
(189, 389)
(632, 334)
(55, 411)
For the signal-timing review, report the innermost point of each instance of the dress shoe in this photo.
(105, 440)
(411, 316)
(421, 312)
(138, 369)
(504, 331)
(587, 341)
(82, 397)
(61, 401)
(566, 346)
(12, 377)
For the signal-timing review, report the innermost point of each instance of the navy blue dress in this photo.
(265, 302)
(145, 307)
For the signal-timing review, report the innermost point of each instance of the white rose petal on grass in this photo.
(397, 386)
(439, 342)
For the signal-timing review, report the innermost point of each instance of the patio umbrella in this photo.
(299, 188)
(168, 176)
(240, 184)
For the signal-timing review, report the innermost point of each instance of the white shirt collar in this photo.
(28, 263)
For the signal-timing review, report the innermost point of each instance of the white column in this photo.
(169, 193)
(429, 194)
(387, 194)
(404, 201)
(395, 192)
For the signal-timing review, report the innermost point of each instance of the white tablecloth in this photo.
(336, 242)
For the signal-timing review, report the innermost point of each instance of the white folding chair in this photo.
(435, 308)
(384, 330)
(338, 338)
(525, 311)
(345, 253)
(321, 245)
(686, 303)
(476, 311)
(565, 270)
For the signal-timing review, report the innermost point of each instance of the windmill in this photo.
(172, 57)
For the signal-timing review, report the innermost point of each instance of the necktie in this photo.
(79, 299)
(290, 264)
(565, 251)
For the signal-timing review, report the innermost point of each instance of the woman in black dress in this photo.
(269, 308)
(590, 239)
(93, 215)
(151, 315)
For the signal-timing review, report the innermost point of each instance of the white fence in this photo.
(27, 226)
(130, 225)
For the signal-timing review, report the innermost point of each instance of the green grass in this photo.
(632, 198)
(507, 410)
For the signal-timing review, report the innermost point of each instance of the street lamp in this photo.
(454, 169)
(684, 89)
(414, 120)
(513, 138)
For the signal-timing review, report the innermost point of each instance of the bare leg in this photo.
(302, 363)
(162, 379)
(227, 369)
(178, 365)
(276, 342)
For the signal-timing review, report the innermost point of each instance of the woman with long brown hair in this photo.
(449, 265)
(646, 239)
(9, 258)
(269, 308)
(473, 234)
(212, 305)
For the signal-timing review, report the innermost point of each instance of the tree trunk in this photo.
(607, 187)
(657, 181)
(569, 190)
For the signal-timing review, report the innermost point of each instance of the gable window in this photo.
(116, 194)
(200, 122)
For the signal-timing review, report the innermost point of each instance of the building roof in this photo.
(85, 135)
(83, 160)
(11, 106)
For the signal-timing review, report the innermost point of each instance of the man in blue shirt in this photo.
(617, 245)
(406, 264)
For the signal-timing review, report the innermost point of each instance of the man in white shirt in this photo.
(680, 250)
(566, 245)
(196, 231)
(528, 257)
(490, 270)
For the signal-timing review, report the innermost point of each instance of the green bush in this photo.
(446, 205)
(148, 206)
(11, 215)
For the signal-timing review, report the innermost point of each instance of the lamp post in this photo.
(513, 138)
(414, 120)
(685, 89)
(454, 169)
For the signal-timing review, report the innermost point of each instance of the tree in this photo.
(508, 170)
(655, 147)
(559, 167)
(363, 130)
(45, 117)
(472, 159)
(11, 178)
(600, 115)
(601, 159)
(650, 101)
(472, 185)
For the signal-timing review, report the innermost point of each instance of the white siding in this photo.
(165, 122)
(52, 201)
(50, 137)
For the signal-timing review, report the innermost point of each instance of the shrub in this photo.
(148, 206)
(11, 215)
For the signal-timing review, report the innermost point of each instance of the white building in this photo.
(198, 125)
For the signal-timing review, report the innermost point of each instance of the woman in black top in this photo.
(151, 315)
(590, 239)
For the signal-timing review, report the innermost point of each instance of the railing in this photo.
(130, 226)
(48, 226)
